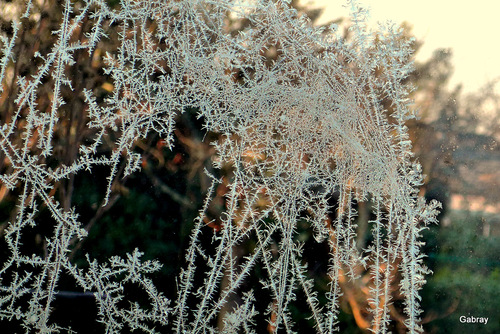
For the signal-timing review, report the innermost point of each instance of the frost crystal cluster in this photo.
(307, 135)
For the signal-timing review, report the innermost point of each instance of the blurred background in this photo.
(455, 139)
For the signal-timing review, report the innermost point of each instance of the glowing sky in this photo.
(470, 28)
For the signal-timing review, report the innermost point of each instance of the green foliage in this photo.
(467, 275)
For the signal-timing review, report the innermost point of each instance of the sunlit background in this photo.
(470, 28)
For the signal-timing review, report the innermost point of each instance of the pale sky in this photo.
(470, 28)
